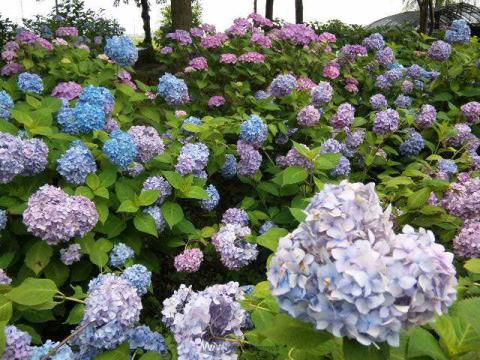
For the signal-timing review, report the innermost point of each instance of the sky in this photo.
(222, 12)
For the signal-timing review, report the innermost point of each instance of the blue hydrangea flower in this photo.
(261, 94)
(141, 337)
(99, 96)
(3, 219)
(403, 101)
(6, 104)
(229, 168)
(120, 254)
(267, 225)
(76, 164)
(447, 166)
(28, 82)
(88, 117)
(40, 352)
(191, 120)
(343, 168)
(254, 131)
(173, 90)
(66, 119)
(413, 145)
(459, 32)
(283, 85)
(122, 50)
(213, 199)
(139, 277)
(193, 159)
(156, 213)
(120, 148)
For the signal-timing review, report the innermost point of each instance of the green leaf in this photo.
(3, 339)
(196, 192)
(102, 192)
(124, 192)
(298, 214)
(102, 209)
(5, 309)
(151, 356)
(293, 175)
(174, 178)
(127, 207)
(6, 126)
(423, 343)
(58, 272)
(271, 237)
(99, 253)
(76, 314)
(148, 197)
(120, 353)
(473, 265)
(93, 181)
(38, 256)
(108, 177)
(352, 350)
(418, 198)
(327, 161)
(145, 223)
(32, 292)
(173, 213)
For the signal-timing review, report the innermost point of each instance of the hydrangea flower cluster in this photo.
(471, 111)
(386, 121)
(462, 133)
(252, 57)
(156, 213)
(148, 142)
(56, 217)
(440, 50)
(67, 31)
(17, 344)
(462, 199)
(351, 52)
(193, 159)
(67, 90)
(139, 277)
(299, 34)
(403, 101)
(322, 94)
(173, 90)
(189, 260)
(413, 145)
(213, 198)
(385, 56)
(122, 50)
(141, 337)
(76, 163)
(466, 243)
(6, 104)
(378, 102)
(309, 116)
(447, 166)
(120, 254)
(374, 42)
(121, 148)
(40, 352)
(181, 36)
(98, 96)
(199, 63)
(200, 320)
(332, 70)
(283, 85)
(71, 254)
(235, 216)
(3, 219)
(158, 183)
(28, 82)
(458, 32)
(346, 271)
(228, 59)
(294, 158)
(250, 159)
(344, 116)
(254, 131)
(216, 101)
(229, 168)
(426, 117)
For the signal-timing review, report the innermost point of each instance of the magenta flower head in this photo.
(228, 59)
(252, 57)
(216, 101)
(199, 63)
(67, 90)
(67, 31)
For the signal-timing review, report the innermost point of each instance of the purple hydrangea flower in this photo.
(4, 278)
(440, 51)
(403, 101)
(385, 56)
(229, 168)
(322, 94)
(283, 85)
(199, 63)
(252, 57)
(250, 159)
(386, 121)
(378, 102)
(149, 143)
(447, 166)
(467, 243)
(35, 156)
(156, 213)
(300, 34)
(426, 117)
(462, 134)
(181, 36)
(67, 31)
(71, 254)
(17, 344)
(216, 101)
(235, 251)
(120, 254)
(40, 352)
(413, 145)
(193, 159)
(295, 158)
(189, 260)
(458, 32)
(158, 183)
(235, 216)
(309, 116)
(344, 116)
(374, 42)
(213, 198)
(67, 90)
(462, 199)
(228, 59)
(471, 111)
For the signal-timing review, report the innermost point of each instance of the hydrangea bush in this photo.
(276, 193)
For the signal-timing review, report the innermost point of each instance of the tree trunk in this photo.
(269, 9)
(299, 11)
(146, 23)
(423, 5)
(182, 14)
(431, 14)
(255, 9)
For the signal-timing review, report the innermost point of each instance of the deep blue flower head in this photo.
(173, 90)
(191, 120)
(122, 50)
(141, 337)
(447, 166)
(99, 96)
(88, 117)
(6, 104)
(229, 168)
(283, 85)
(76, 164)
(254, 131)
(139, 277)
(120, 254)
(459, 32)
(3, 219)
(413, 145)
(213, 199)
(120, 149)
(28, 82)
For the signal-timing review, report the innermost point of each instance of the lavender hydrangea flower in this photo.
(121, 148)
(76, 163)
(193, 159)
(426, 117)
(11, 157)
(413, 145)
(17, 344)
(344, 116)
(139, 277)
(322, 94)
(235, 216)
(250, 159)
(309, 116)
(189, 260)
(299, 34)
(67, 90)
(283, 85)
(141, 337)
(386, 121)
(254, 131)
(4, 278)
(71, 254)
(173, 90)
(199, 63)
(149, 143)
(111, 125)
(378, 102)
(12, 69)
(471, 111)
(458, 32)
(213, 198)
(342, 169)
(374, 42)
(28, 82)
(181, 36)
(467, 243)
(158, 183)
(56, 217)
(216, 101)
(122, 50)
(120, 254)
(235, 251)
(6, 104)
(229, 168)
(462, 134)
(385, 56)
(440, 50)
(35, 156)
(462, 199)
(295, 158)
(403, 101)
(156, 213)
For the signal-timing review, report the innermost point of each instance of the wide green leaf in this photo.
(293, 175)
(172, 212)
(145, 223)
(33, 292)
(38, 256)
